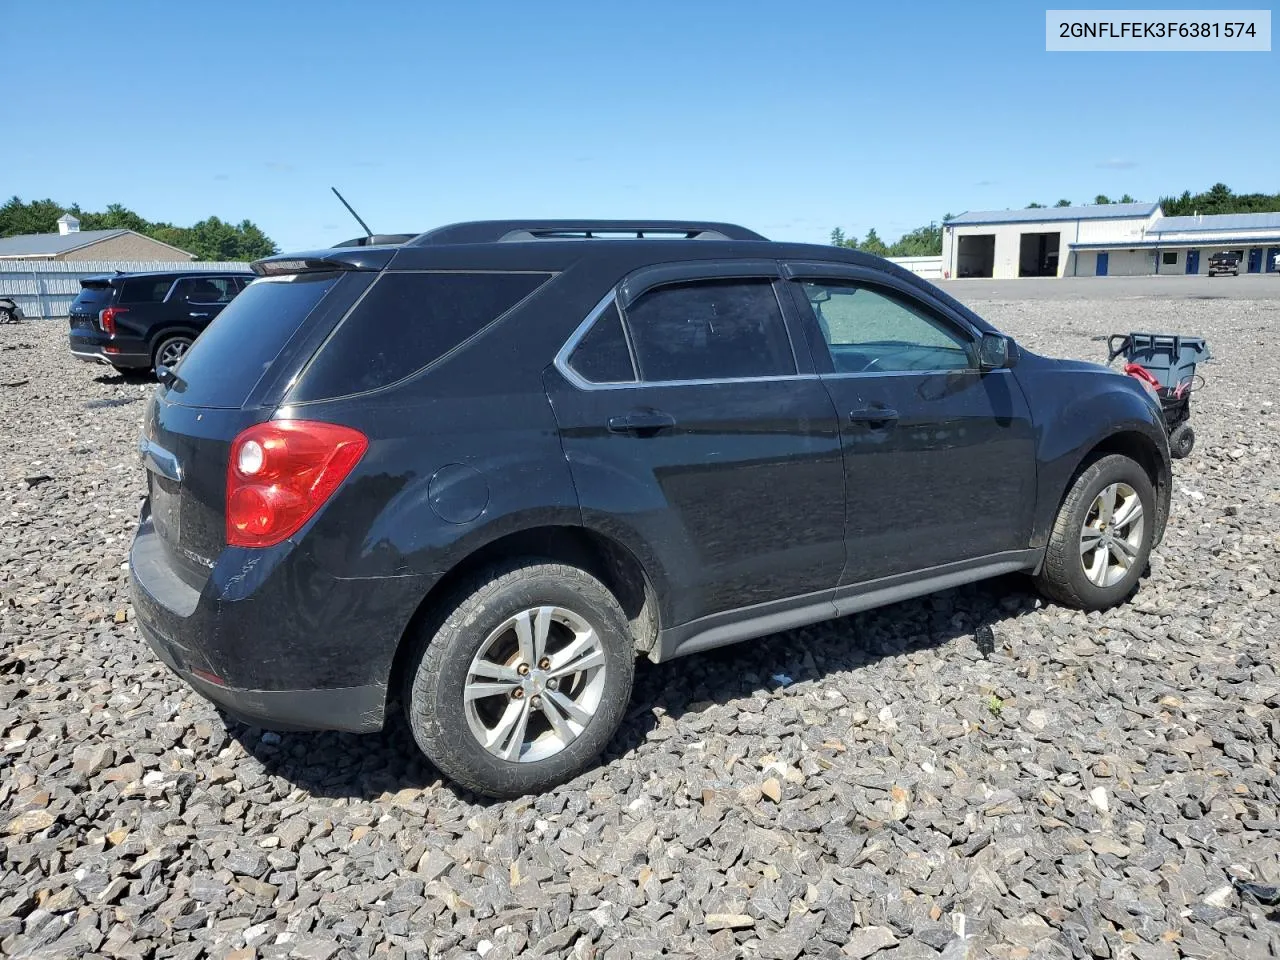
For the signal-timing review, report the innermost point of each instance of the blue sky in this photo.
(790, 118)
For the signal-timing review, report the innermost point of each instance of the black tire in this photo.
(1062, 577)
(180, 341)
(1182, 441)
(433, 696)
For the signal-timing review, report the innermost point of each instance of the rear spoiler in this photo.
(377, 240)
(317, 261)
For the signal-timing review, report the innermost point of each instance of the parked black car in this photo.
(141, 320)
(1224, 261)
(481, 471)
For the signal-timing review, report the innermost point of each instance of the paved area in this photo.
(1257, 286)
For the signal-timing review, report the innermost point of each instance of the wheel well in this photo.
(1136, 446)
(610, 562)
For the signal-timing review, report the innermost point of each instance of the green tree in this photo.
(1063, 203)
(873, 244)
(1101, 198)
(1035, 206)
(837, 237)
(920, 242)
(38, 216)
(1126, 199)
(1219, 199)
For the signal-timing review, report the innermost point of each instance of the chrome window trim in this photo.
(947, 371)
(561, 361)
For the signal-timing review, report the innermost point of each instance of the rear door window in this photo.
(206, 290)
(406, 322)
(145, 289)
(230, 357)
(710, 330)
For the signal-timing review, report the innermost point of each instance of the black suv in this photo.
(1224, 261)
(481, 471)
(145, 320)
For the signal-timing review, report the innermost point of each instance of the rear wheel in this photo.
(524, 682)
(170, 350)
(1101, 540)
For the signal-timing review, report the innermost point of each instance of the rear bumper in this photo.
(352, 709)
(93, 346)
(271, 637)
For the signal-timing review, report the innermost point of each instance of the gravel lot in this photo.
(871, 787)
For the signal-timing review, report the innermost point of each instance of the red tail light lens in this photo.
(107, 318)
(280, 473)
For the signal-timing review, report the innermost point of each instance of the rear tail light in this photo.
(281, 472)
(107, 318)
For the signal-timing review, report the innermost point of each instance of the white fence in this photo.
(928, 267)
(45, 289)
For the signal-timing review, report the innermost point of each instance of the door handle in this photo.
(642, 423)
(874, 417)
(197, 314)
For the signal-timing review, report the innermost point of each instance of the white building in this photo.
(1114, 239)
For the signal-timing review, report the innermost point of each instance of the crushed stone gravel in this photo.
(1066, 785)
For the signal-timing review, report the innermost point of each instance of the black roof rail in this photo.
(377, 239)
(516, 231)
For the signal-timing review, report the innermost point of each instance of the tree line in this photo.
(209, 239)
(927, 241)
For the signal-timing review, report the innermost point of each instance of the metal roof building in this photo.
(72, 243)
(1106, 211)
(1119, 239)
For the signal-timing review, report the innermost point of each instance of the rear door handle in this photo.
(874, 417)
(197, 314)
(642, 423)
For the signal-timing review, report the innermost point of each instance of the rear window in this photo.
(407, 321)
(145, 289)
(229, 358)
(92, 299)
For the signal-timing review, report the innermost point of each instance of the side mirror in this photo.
(995, 352)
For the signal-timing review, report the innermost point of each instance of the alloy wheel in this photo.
(171, 352)
(1111, 538)
(535, 684)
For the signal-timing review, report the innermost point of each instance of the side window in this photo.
(406, 322)
(205, 290)
(602, 355)
(145, 290)
(710, 330)
(874, 330)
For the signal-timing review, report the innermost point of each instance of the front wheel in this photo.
(524, 682)
(1101, 540)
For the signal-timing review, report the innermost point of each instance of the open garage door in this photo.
(976, 255)
(1038, 254)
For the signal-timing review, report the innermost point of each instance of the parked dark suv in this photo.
(141, 320)
(481, 471)
(1223, 262)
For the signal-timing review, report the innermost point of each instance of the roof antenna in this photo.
(367, 231)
